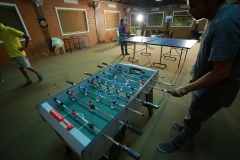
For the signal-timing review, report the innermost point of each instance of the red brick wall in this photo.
(38, 45)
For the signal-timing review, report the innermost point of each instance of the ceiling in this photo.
(148, 3)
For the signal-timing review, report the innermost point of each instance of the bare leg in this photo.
(24, 72)
(33, 70)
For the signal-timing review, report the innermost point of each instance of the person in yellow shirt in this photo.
(16, 52)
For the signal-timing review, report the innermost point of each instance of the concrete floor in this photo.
(25, 136)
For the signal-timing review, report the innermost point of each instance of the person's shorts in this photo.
(21, 62)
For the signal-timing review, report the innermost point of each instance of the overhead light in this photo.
(158, 0)
(139, 18)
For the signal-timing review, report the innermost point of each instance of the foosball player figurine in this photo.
(100, 85)
(141, 83)
(106, 80)
(115, 76)
(98, 95)
(91, 106)
(108, 89)
(92, 82)
(117, 92)
(98, 78)
(140, 76)
(127, 79)
(122, 73)
(74, 113)
(121, 84)
(131, 88)
(127, 96)
(113, 82)
(85, 89)
(113, 102)
(72, 95)
(130, 70)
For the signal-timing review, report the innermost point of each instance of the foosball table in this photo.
(94, 114)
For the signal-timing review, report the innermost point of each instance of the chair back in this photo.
(139, 32)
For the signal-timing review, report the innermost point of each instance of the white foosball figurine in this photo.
(98, 95)
(115, 76)
(85, 89)
(117, 92)
(113, 102)
(106, 80)
(141, 83)
(113, 82)
(72, 95)
(121, 84)
(127, 79)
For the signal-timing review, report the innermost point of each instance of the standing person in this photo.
(122, 31)
(216, 79)
(16, 52)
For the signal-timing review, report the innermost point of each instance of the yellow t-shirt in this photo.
(10, 38)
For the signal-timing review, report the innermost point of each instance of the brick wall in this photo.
(38, 46)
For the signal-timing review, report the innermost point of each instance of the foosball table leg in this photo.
(119, 137)
(149, 98)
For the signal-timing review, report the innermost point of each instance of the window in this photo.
(182, 19)
(72, 20)
(112, 19)
(134, 22)
(155, 19)
(10, 16)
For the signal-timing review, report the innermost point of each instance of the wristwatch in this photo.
(184, 90)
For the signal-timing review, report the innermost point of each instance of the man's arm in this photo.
(26, 42)
(220, 71)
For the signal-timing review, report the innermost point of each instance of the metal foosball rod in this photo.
(162, 82)
(112, 74)
(151, 79)
(89, 74)
(148, 104)
(137, 69)
(132, 128)
(137, 112)
(161, 89)
(91, 126)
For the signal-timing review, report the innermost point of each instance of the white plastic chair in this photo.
(57, 43)
(139, 32)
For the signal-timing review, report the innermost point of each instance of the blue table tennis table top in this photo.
(171, 42)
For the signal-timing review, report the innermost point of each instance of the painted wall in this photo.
(38, 46)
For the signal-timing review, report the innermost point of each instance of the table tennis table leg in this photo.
(170, 55)
(181, 56)
(146, 53)
(134, 51)
(160, 61)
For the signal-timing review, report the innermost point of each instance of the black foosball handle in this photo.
(147, 104)
(88, 73)
(70, 82)
(130, 152)
(105, 63)
(134, 129)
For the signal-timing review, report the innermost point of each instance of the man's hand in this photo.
(177, 92)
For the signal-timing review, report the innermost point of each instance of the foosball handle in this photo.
(88, 73)
(168, 91)
(130, 152)
(104, 63)
(134, 129)
(70, 82)
(147, 104)
(100, 66)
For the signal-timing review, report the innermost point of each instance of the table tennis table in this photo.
(183, 44)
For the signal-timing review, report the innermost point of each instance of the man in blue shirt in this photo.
(216, 79)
